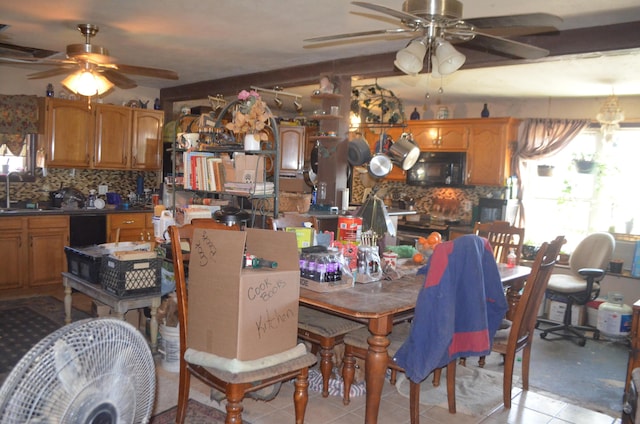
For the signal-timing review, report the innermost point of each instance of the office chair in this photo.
(588, 264)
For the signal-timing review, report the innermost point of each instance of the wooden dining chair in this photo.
(234, 384)
(322, 330)
(428, 340)
(502, 237)
(519, 336)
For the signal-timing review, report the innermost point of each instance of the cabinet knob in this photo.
(128, 222)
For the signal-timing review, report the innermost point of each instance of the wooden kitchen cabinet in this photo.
(292, 150)
(112, 143)
(33, 255)
(68, 130)
(13, 250)
(132, 227)
(103, 137)
(452, 136)
(47, 260)
(490, 151)
(146, 139)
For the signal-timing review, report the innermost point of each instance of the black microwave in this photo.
(438, 168)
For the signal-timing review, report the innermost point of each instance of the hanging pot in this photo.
(380, 165)
(359, 152)
(404, 152)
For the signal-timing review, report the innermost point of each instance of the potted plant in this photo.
(545, 170)
(585, 164)
(529, 250)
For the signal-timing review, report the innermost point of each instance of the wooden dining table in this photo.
(377, 304)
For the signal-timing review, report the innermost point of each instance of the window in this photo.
(574, 204)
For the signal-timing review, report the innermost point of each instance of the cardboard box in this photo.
(242, 313)
(557, 309)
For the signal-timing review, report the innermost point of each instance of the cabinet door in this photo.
(68, 133)
(13, 251)
(146, 140)
(130, 226)
(112, 137)
(454, 138)
(47, 238)
(292, 141)
(489, 155)
(434, 135)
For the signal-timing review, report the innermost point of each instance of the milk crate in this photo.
(85, 262)
(126, 278)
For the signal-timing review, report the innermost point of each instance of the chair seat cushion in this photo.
(210, 360)
(561, 283)
(324, 324)
(398, 335)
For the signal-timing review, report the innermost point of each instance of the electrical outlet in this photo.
(102, 189)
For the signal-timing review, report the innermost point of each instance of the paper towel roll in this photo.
(345, 199)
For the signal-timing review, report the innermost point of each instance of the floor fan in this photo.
(95, 371)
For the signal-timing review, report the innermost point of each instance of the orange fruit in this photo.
(434, 238)
(418, 257)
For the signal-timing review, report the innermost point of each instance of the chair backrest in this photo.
(525, 316)
(502, 237)
(594, 251)
(181, 238)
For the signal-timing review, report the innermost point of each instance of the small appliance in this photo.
(438, 168)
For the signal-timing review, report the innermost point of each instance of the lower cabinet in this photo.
(33, 255)
(129, 227)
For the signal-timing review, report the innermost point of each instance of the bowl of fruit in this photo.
(425, 247)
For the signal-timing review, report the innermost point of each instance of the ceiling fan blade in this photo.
(118, 79)
(51, 72)
(404, 16)
(36, 61)
(148, 72)
(506, 46)
(543, 20)
(359, 34)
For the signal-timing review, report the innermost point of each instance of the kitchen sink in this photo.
(8, 210)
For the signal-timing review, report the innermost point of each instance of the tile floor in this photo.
(527, 408)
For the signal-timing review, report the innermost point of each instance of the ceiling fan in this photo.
(88, 60)
(438, 23)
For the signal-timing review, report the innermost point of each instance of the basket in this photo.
(85, 262)
(130, 277)
(291, 202)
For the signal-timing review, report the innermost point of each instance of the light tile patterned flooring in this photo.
(527, 408)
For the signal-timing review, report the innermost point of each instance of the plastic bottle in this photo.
(263, 263)
(511, 258)
(321, 269)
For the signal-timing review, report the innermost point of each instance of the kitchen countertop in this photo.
(59, 211)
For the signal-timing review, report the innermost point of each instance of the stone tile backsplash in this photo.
(122, 182)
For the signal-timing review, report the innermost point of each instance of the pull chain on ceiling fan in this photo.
(439, 24)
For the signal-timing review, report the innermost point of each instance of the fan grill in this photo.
(96, 367)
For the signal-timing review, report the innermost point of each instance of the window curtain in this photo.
(540, 138)
(18, 117)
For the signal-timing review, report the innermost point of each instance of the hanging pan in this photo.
(380, 165)
(359, 152)
(404, 152)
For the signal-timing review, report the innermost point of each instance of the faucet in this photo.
(8, 176)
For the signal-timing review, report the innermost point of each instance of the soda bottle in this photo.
(511, 258)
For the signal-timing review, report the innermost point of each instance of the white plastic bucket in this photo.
(161, 224)
(170, 348)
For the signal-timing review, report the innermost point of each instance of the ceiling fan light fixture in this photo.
(448, 58)
(410, 59)
(609, 117)
(87, 83)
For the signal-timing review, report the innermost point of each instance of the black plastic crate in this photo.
(130, 277)
(85, 262)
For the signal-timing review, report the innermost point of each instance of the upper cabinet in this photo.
(68, 133)
(292, 150)
(490, 151)
(443, 135)
(146, 139)
(105, 136)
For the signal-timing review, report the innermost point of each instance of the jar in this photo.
(614, 317)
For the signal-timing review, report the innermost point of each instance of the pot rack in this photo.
(276, 91)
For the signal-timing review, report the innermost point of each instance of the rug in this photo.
(197, 413)
(478, 391)
(24, 322)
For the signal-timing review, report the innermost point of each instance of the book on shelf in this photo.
(246, 188)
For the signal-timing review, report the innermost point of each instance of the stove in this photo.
(408, 232)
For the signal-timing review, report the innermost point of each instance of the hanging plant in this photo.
(585, 164)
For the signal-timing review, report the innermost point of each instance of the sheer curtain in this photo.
(540, 138)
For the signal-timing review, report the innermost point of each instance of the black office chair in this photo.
(588, 265)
